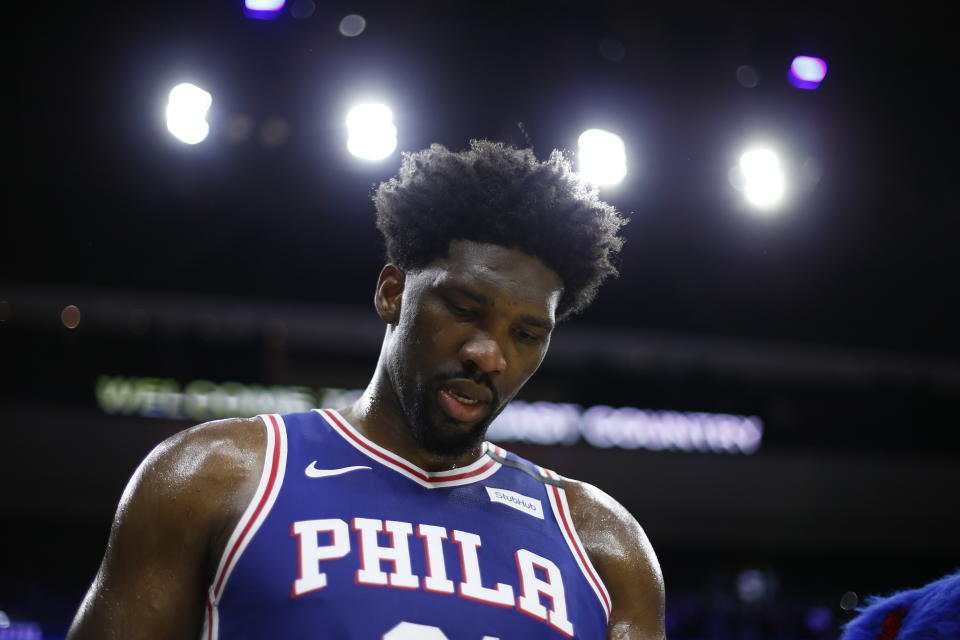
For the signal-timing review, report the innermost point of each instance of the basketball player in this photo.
(393, 518)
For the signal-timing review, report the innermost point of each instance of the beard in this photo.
(438, 434)
(443, 442)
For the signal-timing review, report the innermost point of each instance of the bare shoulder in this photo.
(213, 452)
(169, 532)
(208, 472)
(622, 554)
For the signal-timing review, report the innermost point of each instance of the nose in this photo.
(484, 352)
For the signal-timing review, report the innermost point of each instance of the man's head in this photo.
(488, 249)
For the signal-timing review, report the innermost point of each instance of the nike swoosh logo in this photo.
(313, 472)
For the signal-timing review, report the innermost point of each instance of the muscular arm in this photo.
(170, 529)
(623, 556)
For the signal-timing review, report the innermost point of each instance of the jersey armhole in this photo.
(271, 479)
(561, 511)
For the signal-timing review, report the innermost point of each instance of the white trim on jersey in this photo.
(561, 511)
(271, 479)
(481, 469)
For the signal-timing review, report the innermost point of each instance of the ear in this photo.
(390, 286)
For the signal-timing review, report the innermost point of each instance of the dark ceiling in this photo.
(101, 194)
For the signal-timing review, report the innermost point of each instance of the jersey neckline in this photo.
(480, 469)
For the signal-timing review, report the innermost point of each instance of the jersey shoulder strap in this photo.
(557, 496)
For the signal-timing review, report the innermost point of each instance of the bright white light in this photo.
(187, 111)
(603, 157)
(809, 68)
(763, 182)
(807, 72)
(371, 132)
(264, 5)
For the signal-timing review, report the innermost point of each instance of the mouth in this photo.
(464, 401)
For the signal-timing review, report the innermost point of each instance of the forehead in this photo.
(505, 275)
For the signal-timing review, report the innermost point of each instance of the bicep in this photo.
(636, 588)
(149, 584)
(625, 560)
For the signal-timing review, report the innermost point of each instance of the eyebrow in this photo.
(476, 296)
(479, 298)
(538, 322)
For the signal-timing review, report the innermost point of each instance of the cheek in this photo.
(429, 339)
(527, 366)
(435, 324)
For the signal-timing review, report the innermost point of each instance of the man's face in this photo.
(473, 327)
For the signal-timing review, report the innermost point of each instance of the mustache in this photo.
(464, 374)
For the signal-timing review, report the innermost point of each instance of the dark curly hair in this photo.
(498, 194)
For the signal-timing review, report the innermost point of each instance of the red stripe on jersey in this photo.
(400, 462)
(274, 465)
(209, 618)
(566, 525)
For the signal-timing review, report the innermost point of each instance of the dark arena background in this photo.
(771, 386)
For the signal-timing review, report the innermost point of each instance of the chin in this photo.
(441, 438)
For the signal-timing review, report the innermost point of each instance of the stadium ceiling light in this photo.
(371, 134)
(187, 109)
(263, 9)
(762, 177)
(807, 72)
(603, 157)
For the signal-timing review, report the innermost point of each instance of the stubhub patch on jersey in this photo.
(518, 501)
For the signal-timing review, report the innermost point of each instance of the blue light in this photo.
(263, 9)
(807, 72)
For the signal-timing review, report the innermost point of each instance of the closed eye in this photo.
(526, 336)
(457, 310)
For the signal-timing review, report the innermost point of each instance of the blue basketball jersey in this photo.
(344, 539)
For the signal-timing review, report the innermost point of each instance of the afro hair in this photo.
(494, 193)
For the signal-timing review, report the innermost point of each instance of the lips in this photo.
(464, 400)
(468, 389)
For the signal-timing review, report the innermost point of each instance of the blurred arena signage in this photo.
(546, 423)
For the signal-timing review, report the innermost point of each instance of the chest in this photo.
(364, 556)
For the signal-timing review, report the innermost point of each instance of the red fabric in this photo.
(890, 626)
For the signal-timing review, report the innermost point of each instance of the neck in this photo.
(377, 414)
